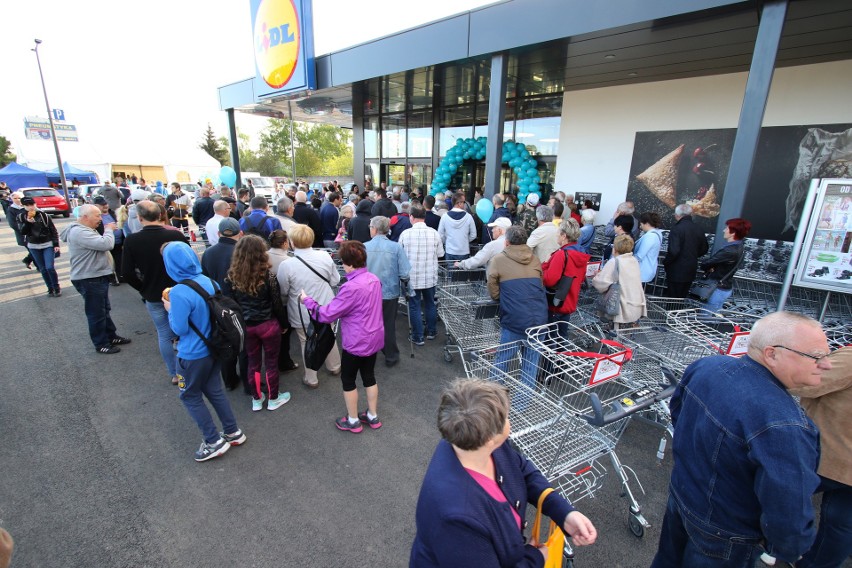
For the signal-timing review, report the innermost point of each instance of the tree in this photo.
(320, 148)
(6, 155)
(248, 157)
(214, 148)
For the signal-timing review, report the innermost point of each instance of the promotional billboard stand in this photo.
(822, 251)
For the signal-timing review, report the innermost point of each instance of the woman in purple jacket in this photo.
(358, 306)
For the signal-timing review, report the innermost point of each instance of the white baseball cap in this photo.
(502, 222)
(532, 199)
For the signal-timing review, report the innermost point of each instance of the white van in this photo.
(264, 186)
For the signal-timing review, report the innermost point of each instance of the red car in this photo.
(48, 200)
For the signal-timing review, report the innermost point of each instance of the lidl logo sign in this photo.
(277, 38)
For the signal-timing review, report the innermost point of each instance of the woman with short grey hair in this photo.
(474, 496)
(587, 231)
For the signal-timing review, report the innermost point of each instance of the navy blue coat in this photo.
(459, 525)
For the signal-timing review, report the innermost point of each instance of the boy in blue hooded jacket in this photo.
(198, 371)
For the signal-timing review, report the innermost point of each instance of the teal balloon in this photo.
(520, 146)
(228, 176)
(459, 141)
(484, 209)
(466, 155)
(525, 154)
(447, 177)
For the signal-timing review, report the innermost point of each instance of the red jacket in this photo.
(556, 266)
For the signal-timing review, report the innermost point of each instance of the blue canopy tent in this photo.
(17, 176)
(70, 173)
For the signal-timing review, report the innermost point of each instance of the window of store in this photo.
(393, 136)
(371, 136)
(420, 134)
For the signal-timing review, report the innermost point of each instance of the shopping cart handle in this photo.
(626, 406)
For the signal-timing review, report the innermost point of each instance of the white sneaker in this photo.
(276, 403)
(767, 559)
(258, 404)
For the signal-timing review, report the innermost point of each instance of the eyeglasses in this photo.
(816, 358)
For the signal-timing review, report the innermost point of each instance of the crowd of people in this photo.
(743, 473)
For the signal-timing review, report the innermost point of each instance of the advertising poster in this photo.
(691, 166)
(826, 261)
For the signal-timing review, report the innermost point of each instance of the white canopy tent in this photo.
(185, 164)
(40, 155)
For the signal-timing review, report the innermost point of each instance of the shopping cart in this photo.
(568, 406)
(725, 336)
(449, 275)
(470, 317)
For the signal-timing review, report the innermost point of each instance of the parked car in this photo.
(85, 192)
(48, 200)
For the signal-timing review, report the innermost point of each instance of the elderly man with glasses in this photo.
(745, 454)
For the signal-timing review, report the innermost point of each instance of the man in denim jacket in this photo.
(745, 453)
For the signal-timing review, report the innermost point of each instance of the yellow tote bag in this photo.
(555, 542)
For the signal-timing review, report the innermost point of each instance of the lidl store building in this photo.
(731, 106)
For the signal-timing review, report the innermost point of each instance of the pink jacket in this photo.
(358, 306)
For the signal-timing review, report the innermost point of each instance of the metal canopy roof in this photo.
(700, 43)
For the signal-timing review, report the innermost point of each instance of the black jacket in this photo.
(359, 225)
(307, 215)
(263, 306)
(385, 207)
(216, 260)
(432, 220)
(202, 211)
(723, 262)
(41, 230)
(142, 264)
(687, 243)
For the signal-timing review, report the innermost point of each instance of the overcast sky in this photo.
(132, 74)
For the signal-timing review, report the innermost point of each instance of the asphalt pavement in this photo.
(97, 467)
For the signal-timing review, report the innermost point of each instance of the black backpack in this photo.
(259, 230)
(227, 328)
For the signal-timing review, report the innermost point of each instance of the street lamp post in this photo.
(52, 129)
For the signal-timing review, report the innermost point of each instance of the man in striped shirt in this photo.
(422, 246)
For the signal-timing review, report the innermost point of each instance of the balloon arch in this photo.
(514, 153)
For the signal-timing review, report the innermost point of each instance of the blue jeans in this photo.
(683, 545)
(563, 319)
(833, 542)
(197, 379)
(95, 292)
(529, 364)
(449, 256)
(427, 297)
(44, 262)
(716, 299)
(165, 335)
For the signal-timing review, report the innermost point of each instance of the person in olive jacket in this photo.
(687, 243)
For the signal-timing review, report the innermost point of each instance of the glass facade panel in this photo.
(420, 134)
(393, 93)
(371, 136)
(371, 97)
(422, 88)
(393, 136)
(456, 123)
(541, 135)
(371, 172)
(420, 177)
(459, 84)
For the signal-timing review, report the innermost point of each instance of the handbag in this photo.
(319, 341)
(555, 543)
(319, 337)
(609, 303)
(702, 288)
(556, 295)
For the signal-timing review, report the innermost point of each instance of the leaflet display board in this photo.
(825, 261)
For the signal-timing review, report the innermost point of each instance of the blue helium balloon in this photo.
(484, 209)
(466, 155)
(525, 154)
(228, 176)
(504, 158)
(459, 141)
(447, 177)
(520, 146)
